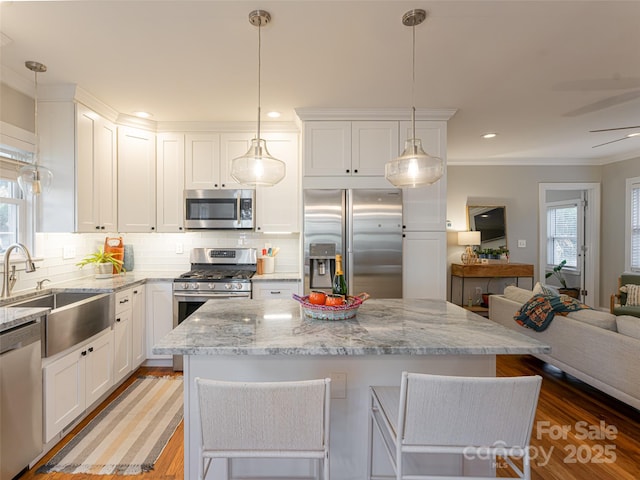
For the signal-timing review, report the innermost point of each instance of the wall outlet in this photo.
(179, 248)
(338, 385)
(68, 251)
(522, 244)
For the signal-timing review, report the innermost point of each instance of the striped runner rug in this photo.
(128, 436)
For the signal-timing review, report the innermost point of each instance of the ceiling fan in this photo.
(629, 135)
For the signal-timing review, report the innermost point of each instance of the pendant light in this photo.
(34, 179)
(258, 166)
(414, 167)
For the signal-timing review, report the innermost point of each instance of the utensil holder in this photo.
(268, 264)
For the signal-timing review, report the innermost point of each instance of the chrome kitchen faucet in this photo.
(10, 278)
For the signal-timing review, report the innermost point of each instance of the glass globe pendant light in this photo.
(414, 167)
(258, 166)
(34, 179)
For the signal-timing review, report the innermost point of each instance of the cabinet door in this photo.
(266, 290)
(234, 145)
(202, 160)
(99, 368)
(64, 392)
(327, 148)
(106, 182)
(170, 182)
(87, 208)
(136, 180)
(424, 265)
(278, 207)
(373, 144)
(159, 315)
(122, 345)
(138, 327)
(424, 208)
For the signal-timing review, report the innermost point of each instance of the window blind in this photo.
(635, 227)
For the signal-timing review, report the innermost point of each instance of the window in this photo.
(14, 209)
(562, 234)
(633, 225)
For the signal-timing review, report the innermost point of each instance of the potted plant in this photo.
(557, 273)
(105, 263)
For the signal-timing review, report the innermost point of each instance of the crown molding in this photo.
(283, 127)
(434, 114)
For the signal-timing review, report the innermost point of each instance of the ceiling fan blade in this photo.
(613, 129)
(612, 141)
(604, 103)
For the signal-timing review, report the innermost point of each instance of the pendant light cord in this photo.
(259, 71)
(413, 81)
(35, 129)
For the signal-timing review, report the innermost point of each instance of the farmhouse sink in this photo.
(74, 317)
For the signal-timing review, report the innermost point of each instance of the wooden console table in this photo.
(488, 270)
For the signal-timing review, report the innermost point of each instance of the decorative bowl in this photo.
(326, 312)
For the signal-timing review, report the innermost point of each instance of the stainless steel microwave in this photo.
(219, 209)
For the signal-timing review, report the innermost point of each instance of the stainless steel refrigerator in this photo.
(365, 227)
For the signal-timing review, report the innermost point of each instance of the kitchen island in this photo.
(270, 340)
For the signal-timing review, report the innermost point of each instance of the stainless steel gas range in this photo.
(216, 274)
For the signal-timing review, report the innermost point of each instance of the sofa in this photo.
(597, 347)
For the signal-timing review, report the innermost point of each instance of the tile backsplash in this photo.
(57, 253)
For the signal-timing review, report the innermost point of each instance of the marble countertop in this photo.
(381, 327)
(14, 317)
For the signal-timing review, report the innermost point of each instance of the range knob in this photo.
(195, 286)
(212, 286)
(185, 285)
(228, 286)
(238, 286)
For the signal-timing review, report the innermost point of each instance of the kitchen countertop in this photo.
(13, 317)
(381, 327)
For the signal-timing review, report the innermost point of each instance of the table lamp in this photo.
(469, 239)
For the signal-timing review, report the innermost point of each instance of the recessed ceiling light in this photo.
(143, 114)
(273, 114)
(489, 135)
(633, 134)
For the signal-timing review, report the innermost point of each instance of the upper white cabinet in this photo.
(338, 148)
(136, 180)
(278, 207)
(170, 182)
(208, 158)
(424, 208)
(96, 172)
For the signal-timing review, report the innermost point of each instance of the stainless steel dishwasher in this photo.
(20, 398)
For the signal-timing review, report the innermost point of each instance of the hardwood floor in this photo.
(564, 402)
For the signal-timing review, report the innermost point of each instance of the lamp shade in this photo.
(414, 167)
(34, 179)
(257, 166)
(468, 238)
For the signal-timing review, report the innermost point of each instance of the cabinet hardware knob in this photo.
(355, 171)
(118, 320)
(223, 185)
(102, 227)
(83, 353)
(97, 227)
(153, 228)
(347, 170)
(179, 228)
(215, 185)
(135, 292)
(90, 349)
(403, 235)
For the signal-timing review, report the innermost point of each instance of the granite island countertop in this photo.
(381, 327)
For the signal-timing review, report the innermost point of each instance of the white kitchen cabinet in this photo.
(122, 335)
(208, 159)
(424, 208)
(159, 315)
(277, 289)
(136, 180)
(138, 326)
(278, 207)
(424, 265)
(96, 172)
(75, 381)
(358, 148)
(170, 182)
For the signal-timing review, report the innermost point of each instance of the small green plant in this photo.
(557, 272)
(102, 257)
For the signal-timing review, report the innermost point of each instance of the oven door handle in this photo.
(205, 297)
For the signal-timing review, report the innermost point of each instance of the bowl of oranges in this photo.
(323, 306)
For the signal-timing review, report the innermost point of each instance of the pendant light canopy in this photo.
(258, 166)
(34, 179)
(414, 167)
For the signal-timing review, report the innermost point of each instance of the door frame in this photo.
(591, 235)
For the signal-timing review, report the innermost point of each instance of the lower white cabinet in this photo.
(122, 336)
(138, 326)
(263, 290)
(424, 265)
(75, 381)
(159, 315)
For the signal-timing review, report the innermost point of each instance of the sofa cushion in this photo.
(624, 310)
(633, 294)
(596, 318)
(517, 294)
(628, 325)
